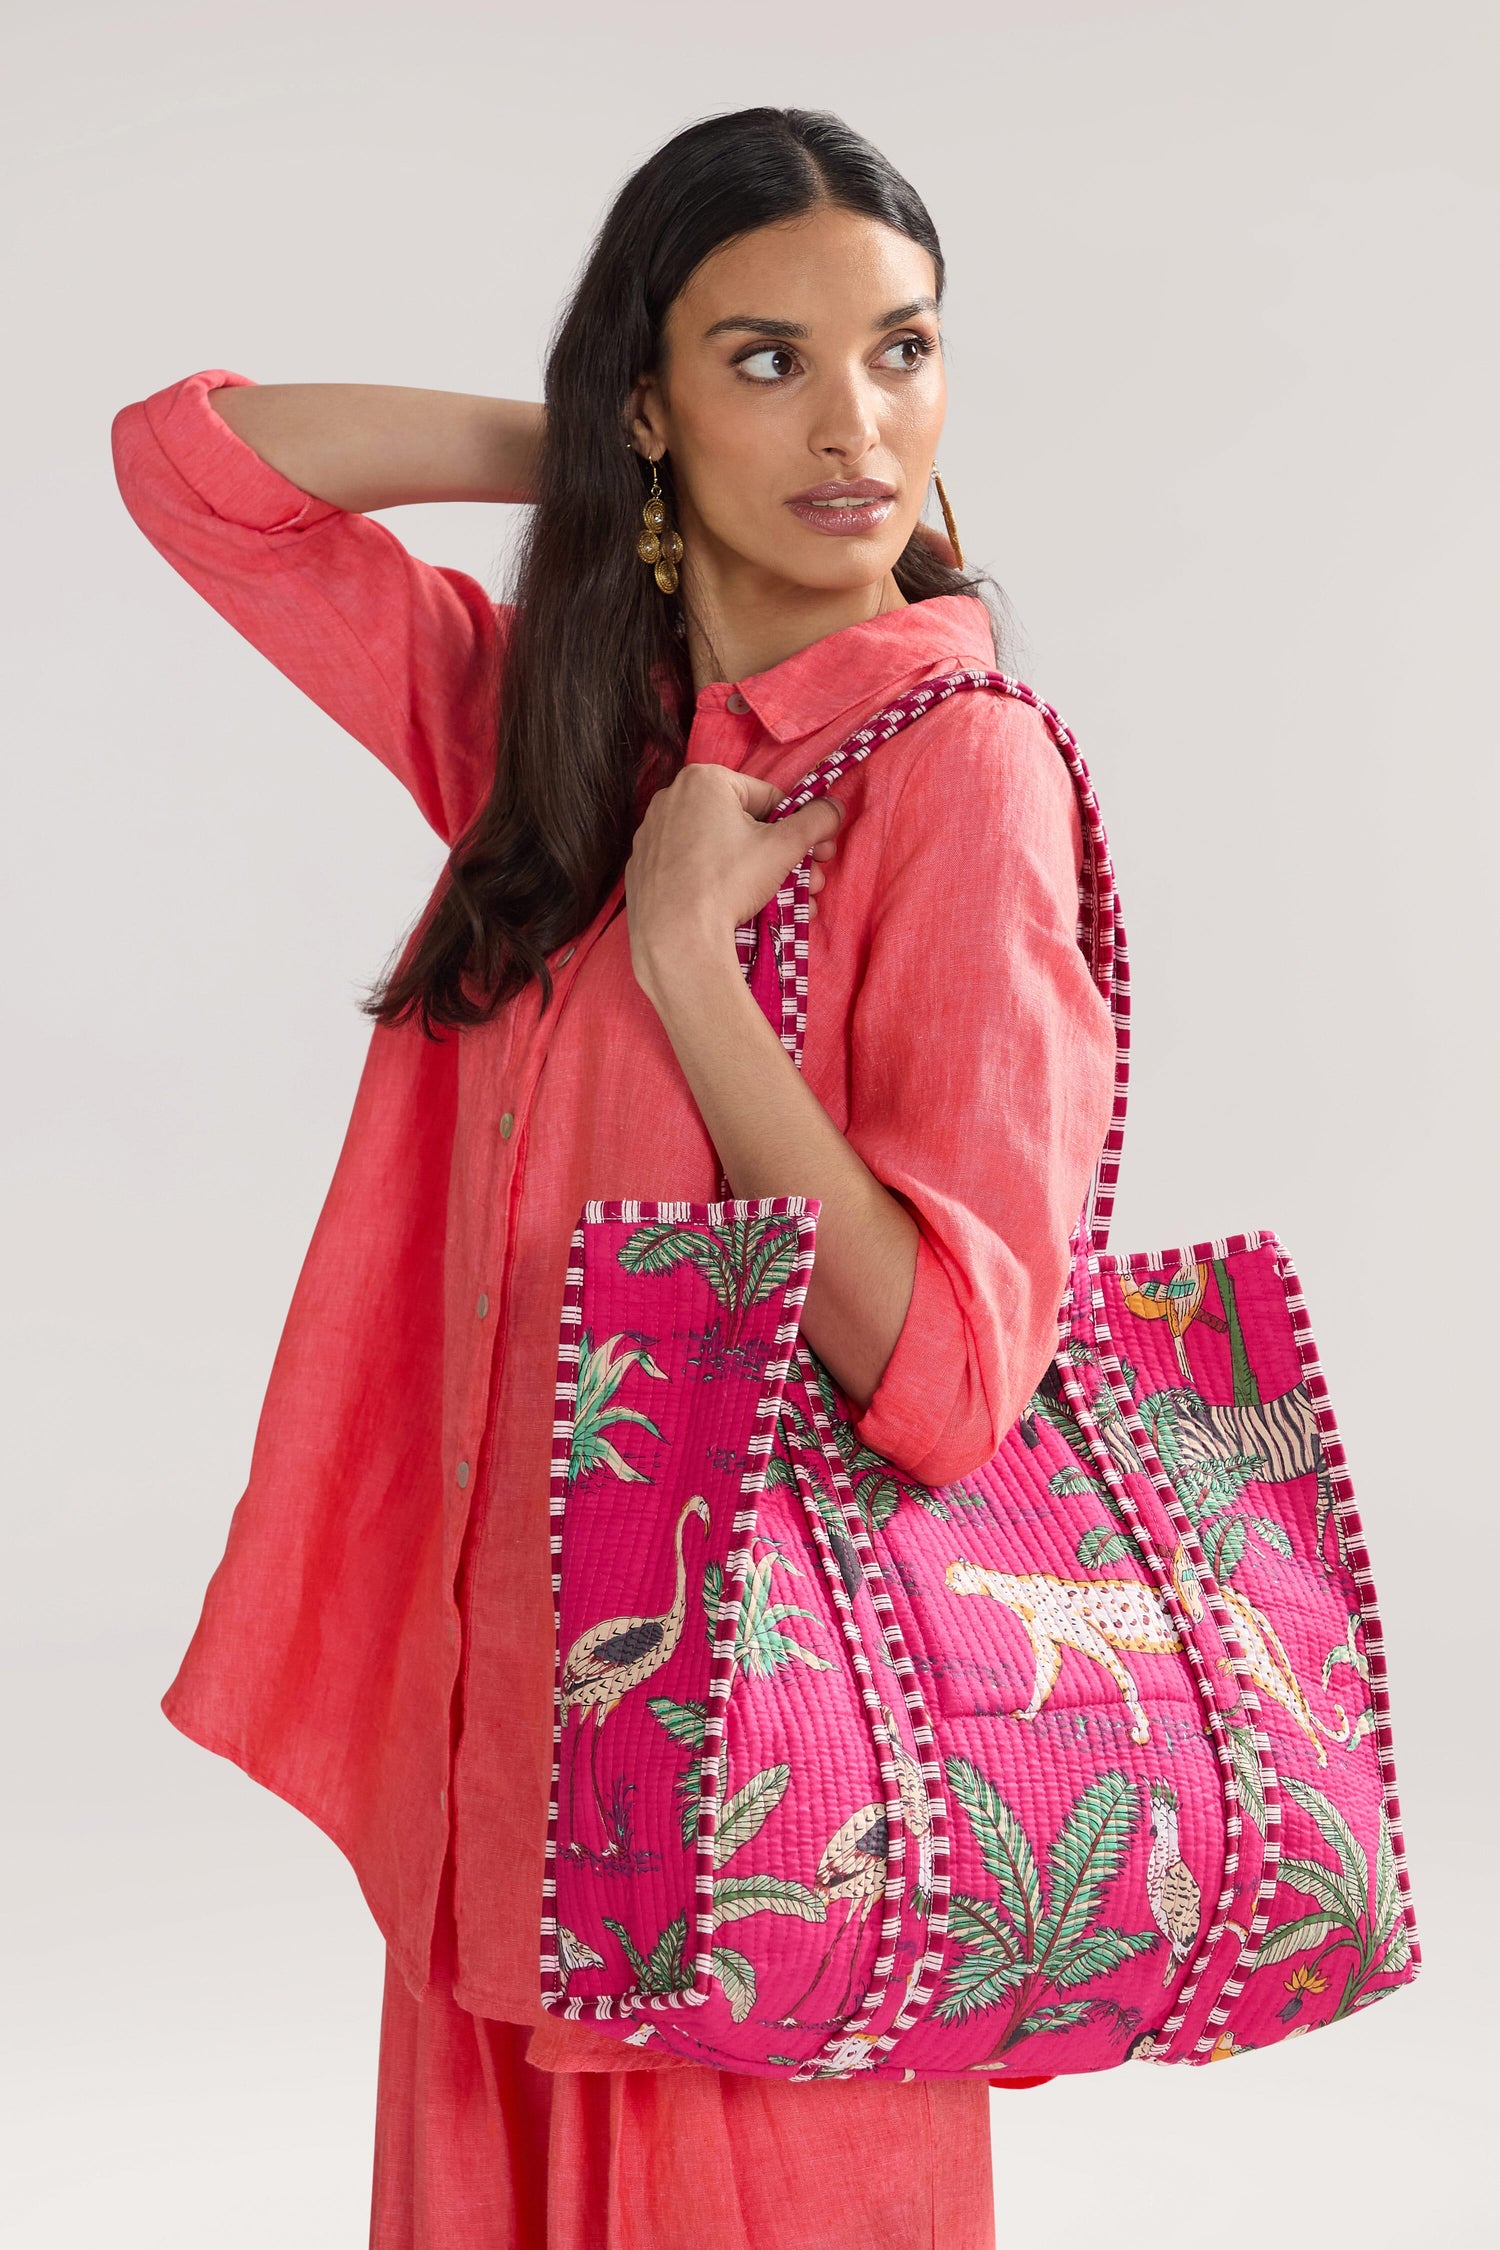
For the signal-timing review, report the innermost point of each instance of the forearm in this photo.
(374, 445)
(775, 1138)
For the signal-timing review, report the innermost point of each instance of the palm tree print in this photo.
(1208, 1482)
(1041, 1936)
(1346, 1913)
(665, 1969)
(601, 1370)
(744, 1261)
(1105, 1543)
(762, 1643)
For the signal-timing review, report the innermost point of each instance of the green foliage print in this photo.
(1041, 1935)
(1207, 1479)
(601, 1370)
(879, 1488)
(762, 1641)
(744, 1261)
(665, 1968)
(685, 1723)
(1349, 1912)
(1249, 1778)
(763, 1645)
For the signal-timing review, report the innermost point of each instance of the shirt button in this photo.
(442, 1800)
(736, 703)
(507, 1125)
(483, 1305)
(566, 956)
(463, 1474)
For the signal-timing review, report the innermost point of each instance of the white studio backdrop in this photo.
(1223, 361)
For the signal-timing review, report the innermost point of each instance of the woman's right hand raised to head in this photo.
(377, 445)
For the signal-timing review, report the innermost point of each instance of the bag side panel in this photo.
(1213, 1379)
(717, 1789)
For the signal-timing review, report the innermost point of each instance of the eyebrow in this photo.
(793, 331)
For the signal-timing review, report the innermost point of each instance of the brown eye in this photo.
(912, 350)
(771, 364)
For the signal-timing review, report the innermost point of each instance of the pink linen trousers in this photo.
(376, 1644)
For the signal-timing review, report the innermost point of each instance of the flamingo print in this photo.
(610, 1659)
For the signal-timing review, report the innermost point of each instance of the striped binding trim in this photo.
(1358, 1553)
(1101, 928)
(923, 1983)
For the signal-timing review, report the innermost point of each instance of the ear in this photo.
(646, 418)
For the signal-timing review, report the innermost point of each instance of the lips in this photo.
(844, 506)
(853, 488)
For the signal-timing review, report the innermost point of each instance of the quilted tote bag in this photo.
(1082, 1758)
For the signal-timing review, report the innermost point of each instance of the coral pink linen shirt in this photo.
(376, 1645)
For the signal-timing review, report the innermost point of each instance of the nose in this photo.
(845, 426)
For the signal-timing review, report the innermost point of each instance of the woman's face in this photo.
(800, 397)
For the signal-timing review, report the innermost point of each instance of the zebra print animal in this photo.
(1282, 1435)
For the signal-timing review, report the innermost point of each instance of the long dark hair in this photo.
(597, 686)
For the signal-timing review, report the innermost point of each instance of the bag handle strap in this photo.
(776, 971)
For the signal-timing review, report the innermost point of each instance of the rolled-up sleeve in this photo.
(982, 1076)
(403, 654)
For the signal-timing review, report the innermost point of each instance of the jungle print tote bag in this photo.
(1084, 1758)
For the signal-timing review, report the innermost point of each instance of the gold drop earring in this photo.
(658, 547)
(948, 523)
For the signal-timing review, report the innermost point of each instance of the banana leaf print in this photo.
(744, 1261)
(741, 1817)
(1041, 1937)
(1347, 1913)
(686, 1723)
(1249, 1779)
(601, 1370)
(762, 1646)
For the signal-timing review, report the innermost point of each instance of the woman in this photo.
(755, 338)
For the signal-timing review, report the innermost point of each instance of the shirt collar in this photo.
(859, 662)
